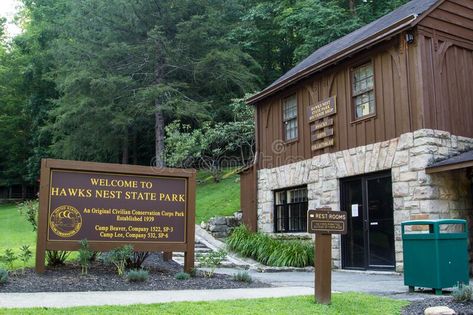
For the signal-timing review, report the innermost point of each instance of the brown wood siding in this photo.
(446, 47)
(397, 106)
(248, 197)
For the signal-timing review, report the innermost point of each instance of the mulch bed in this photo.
(102, 277)
(418, 307)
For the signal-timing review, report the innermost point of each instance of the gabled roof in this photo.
(396, 21)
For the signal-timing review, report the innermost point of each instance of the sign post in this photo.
(112, 205)
(323, 222)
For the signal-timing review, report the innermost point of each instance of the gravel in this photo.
(102, 277)
(418, 307)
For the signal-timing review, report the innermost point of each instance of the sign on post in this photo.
(111, 205)
(324, 222)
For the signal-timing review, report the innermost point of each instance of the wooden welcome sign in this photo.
(111, 205)
(324, 222)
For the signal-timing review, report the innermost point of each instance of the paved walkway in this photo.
(285, 284)
(70, 299)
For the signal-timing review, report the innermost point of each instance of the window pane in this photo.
(364, 104)
(289, 107)
(363, 85)
(291, 216)
(291, 129)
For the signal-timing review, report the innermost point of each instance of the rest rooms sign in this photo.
(111, 207)
(324, 220)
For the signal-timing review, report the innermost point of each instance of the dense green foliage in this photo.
(100, 80)
(342, 303)
(269, 251)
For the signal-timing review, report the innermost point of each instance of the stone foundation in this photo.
(415, 193)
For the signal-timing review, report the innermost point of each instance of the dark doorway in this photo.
(369, 243)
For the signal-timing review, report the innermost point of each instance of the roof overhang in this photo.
(461, 161)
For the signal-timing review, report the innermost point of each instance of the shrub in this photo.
(25, 255)
(118, 257)
(137, 275)
(211, 260)
(242, 276)
(8, 258)
(137, 260)
(56, 257)
(270, 251)
(3, 276)
(462, 293)
(183, 276)
(85, 255)
(29, 209)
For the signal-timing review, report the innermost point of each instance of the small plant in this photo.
(211, 260)
(8, 258)
(29, 209)
(462, 292)
(137, 260)
(118, 257)
(56, 257)
(3, 276)
(25, 255)
(137, 275)
(242, 276)
(183, 276)
(85, 255)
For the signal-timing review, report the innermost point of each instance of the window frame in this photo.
(353, 95)
(296, 118)
(285, 205)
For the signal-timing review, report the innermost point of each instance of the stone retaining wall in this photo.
(415, 193)
(220, 227)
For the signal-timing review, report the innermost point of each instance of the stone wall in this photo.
(440, 195)
(220, 227)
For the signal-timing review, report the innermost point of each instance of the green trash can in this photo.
(436, 258)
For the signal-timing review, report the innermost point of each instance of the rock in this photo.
(439, 310)
(217, 221)
(238, 215)
(232, 222)
(203, 225)
(218, 228)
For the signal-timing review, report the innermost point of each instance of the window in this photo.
(363, 90)
(290, 210)
(290, 118)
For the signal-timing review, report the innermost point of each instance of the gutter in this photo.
(371, 40)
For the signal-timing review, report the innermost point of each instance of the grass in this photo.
(15, 232)
(344, 303)
(217, 199)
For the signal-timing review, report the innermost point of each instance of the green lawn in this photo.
(345, 303)
(15, 231)
(217, 199)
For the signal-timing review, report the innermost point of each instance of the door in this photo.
(369, 242)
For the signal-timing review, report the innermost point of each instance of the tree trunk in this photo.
(134, 149)
(125, 149)
(159, 118)
(352, 6)
(159, 134)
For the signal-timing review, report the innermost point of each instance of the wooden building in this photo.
(359, 125)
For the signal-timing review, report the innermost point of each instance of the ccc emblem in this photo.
(65, 221)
